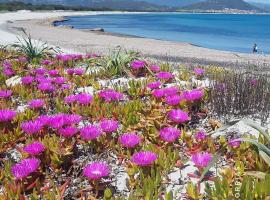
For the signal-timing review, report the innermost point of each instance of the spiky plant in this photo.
(33, 49)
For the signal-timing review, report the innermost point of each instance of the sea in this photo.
(229, 32)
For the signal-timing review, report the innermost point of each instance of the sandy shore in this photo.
(39, 25)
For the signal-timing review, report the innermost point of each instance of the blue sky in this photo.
(259, 1)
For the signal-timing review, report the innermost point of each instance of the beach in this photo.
(40, 26)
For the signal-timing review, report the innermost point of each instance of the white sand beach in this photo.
(39, 25)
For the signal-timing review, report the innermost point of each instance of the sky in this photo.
(259, 1)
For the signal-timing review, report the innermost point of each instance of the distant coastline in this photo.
(181, 31)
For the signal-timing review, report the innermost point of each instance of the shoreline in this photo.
(103, 42)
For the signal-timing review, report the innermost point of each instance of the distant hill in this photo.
(172, 3)
(221, 5)
(263, 6)
(99, 4)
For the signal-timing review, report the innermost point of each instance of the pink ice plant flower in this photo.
(254, 82)
(34, 148)
(129, 140)
(199, 71)
(158, 93)
(234, 143)
(110, 95)
(70, 71)
(46, 87)
(68, 131)
(36, 103)
(144, 158)
(5, 93)
(7, 64)
(7, 115)
(108, 125)
(169, 134)
(90, 132)
(154, 85)
(165, 75)
(178, 116)
(27, 80)
(173, 100)
(60, 80)
(193, 95)
(8, 72)
(201, 159)
(70, 99)
(53, 72)
(84, 98)
(25, 168)
(78, 71)
(155, 68)
(40, 71)
(57, 121)
(96, 170)
(138, 64)
(200, 136)
(32, 127)
(169, 91)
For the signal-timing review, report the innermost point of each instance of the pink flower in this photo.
(47, 62)
(68, 131)
(53, 72)
(109, 126)
(25, 168)
(65, 87)
(155, 68)
(169, 134)
(60, 80)
(27, 80)
(199, 71)
(173, 100)
(129, 140)
(7, 115)
(59, 120)
(34, 148)
(70, 99)
(22, 59)
(40, 71)
(200, 136)
(165, 75)
(46, 87)
(36, 103)
(193, 95)
(178, 116)
(96, 170)
(78, 71)
(254, 82)
(158, 93)
(144, 158)
(81, 98)
(84, 98)
(154, 85)
(70, 71)
(32, 127)
(5, 93)
(234, 143)
(8, 72)
(110, 95)
(7, 64)
(169, 91)
(201, 159)
(137, 64)
(90, 132)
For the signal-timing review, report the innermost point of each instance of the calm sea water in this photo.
(217, 31)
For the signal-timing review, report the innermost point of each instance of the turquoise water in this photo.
(217, 31)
